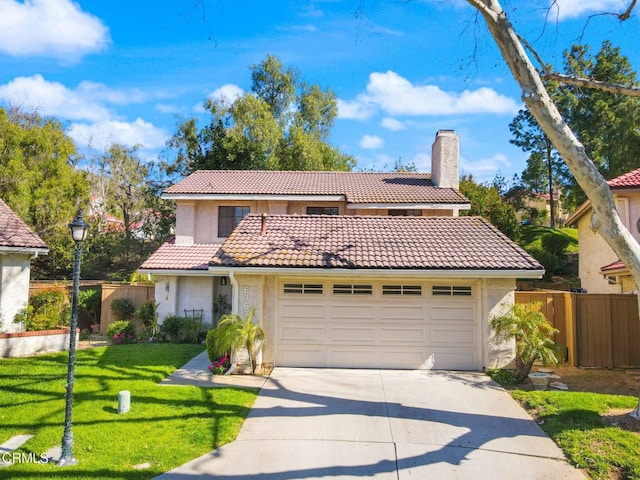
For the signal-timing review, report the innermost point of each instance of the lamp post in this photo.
(78, 229)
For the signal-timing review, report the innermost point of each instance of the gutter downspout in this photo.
(234, 309)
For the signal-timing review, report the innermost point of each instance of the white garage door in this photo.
(378, 325)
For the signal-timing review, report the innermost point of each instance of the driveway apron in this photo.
(383, 424)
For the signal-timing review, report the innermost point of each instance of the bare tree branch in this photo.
(627, 13)
(592, 84)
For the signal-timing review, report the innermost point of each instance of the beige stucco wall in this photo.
(197, 221)
(14, 289)
(498, 297)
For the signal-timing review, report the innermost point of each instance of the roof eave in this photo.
(183, 272)
(250, 197)
(420, 206)
(24, 250)
(382, 272)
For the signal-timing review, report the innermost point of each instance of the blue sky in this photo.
(128, 71)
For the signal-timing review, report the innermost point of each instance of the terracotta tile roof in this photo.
(626, 180)
(14, 233)
(356, 187)
(617, 265)
(433, 243)
(181, 257)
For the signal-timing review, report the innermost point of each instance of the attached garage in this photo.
(378, 324)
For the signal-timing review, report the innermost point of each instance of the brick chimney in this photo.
(445, 157)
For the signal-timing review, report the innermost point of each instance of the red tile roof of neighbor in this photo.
(356, 187)
(626, 180)
(14, 233)
(181, 257)
(617, 265)
(432, 243)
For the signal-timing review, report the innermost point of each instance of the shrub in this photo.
(220, 366)
(503, 377)
(147, 315)
(89, 301)
(181, 329)
(121, 332)
(122, 309)
(47, 309)
(556, 244)
(210, 343)
(550, 261)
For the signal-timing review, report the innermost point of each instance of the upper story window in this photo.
(229, 218)
(405, 213)
(323, 211)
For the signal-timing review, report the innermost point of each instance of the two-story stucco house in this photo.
(600, 270)
(18, 245)
(345, 269)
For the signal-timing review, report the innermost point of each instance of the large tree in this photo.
(39, 181)
(281, 124)
(129, 219)
(605, 219)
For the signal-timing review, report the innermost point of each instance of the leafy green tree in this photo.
(281, 124)
(606, 123)
(124, 190)
(39, 181)
(487, 202)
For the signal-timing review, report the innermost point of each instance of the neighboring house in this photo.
(18, 245)
(600, 270)
(345, 269)
(542, 203)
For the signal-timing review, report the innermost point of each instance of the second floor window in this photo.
(229, 218)
(323, 211)
(405, 213)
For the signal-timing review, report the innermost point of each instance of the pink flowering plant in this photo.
(123, 338)
(220, 366)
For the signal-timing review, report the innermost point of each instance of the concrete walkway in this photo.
(195, 373)
(382, 424)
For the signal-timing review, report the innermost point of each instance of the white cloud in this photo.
(101, 135)
(565, 9)
(371, 142)
(52, 99)
(358, 109)
(485, 169)
(395, 95)
(392, 124)
(55, 28)
(86, 102)
(227, 93)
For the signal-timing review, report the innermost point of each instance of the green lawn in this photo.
(573, 421)
(166, 427)
(530, 236)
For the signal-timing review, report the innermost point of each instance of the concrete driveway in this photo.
(383, 424)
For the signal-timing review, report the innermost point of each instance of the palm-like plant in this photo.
(233, 333)
(532, 332)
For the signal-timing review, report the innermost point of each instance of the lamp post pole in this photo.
(78, 229)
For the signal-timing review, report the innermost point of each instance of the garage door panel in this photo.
(409, 313)
(450, 335)
(453, 313)
(339, 334)
(390, 334)
(446, 358)
(303, 356)
(301, 333)
(311, 312)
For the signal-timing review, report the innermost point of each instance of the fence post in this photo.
(570, 328)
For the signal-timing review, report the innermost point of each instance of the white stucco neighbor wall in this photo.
(14, 289)
(498, 297)
(196, 293)
(25, 344)
(166, 295)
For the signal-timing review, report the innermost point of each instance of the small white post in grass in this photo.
(124, 401)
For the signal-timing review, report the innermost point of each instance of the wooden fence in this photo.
(599, 330)
(138, 294)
